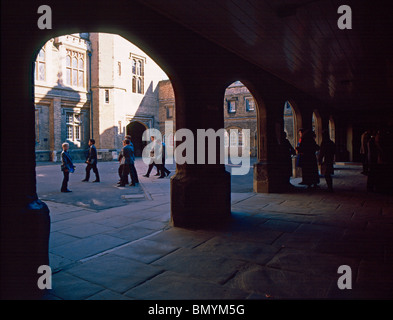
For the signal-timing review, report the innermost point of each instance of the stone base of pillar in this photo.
(200, 197)
(25, 245)
(268, 178)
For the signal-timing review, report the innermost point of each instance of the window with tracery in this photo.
(75, 69)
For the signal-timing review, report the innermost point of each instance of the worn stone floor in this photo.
(276, 246)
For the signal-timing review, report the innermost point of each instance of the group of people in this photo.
(308, 155)
(68, 167)
(126, 163)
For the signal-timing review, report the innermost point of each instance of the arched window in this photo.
(137, 73)
(40, 66)
(290, 123)
(75, 69)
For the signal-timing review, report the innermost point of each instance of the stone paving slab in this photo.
(269, 283)
(322, 265)
(83, 248)
(69, 287)
(145, 251)
(200, 264)
(172, 285)
(245, 250)
(113, 272)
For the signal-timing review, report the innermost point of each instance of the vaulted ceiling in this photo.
(299, 41)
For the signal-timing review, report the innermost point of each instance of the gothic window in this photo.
(40, 66)
(137, 75)
(75, 69)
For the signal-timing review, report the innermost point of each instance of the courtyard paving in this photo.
(110, 243)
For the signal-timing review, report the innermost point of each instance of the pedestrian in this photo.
(153, 157)
(121, 162)
(299, 154)
(129, 164)
(92, 162)
(326, 159)
(286, 153)
(66, 166)
(308, 148)
(373, 153)
(365, 137)
(163, 171)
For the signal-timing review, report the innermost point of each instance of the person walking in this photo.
(326, 159)
(299, 154)
(153, 158)
(66, 166)
(92, 162)
(364, 139)
(129, 164)
(163, 171)
(121, 161)
(308, 148)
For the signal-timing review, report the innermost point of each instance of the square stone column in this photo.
(200, 193)
(200, 196)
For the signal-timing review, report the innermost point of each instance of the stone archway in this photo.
(135, 129)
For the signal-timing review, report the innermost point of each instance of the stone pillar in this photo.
(268, 171)
(200, 193)
(25, 220)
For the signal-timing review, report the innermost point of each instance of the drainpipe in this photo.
(91, 98)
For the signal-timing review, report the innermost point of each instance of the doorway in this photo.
(135, 129)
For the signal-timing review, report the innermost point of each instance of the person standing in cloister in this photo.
(308, 148)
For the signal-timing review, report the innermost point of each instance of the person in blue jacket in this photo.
(66, 166)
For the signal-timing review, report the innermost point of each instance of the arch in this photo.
(317, 125)
(260, 140)
(332, 129)
(292, 121)
(135, 129)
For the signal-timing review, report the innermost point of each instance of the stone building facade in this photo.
(62, 98)
(93, 85)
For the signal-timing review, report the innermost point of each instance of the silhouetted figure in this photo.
(326, 159)
(307, 148)
(286, 153)
(66, 166)
(92, 162)
(365, 137)
(299, 154)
